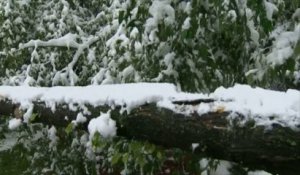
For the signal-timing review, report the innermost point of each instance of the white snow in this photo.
(296, 15)
(188, 8)
(80, 118)
(22, 94)
(258, 172)
(91, 55)
(284, 45)
(203, 108)
(255, 103)
(222, 167)
(127, 71)
(270, 9)
(14, 123)
(194, 146)
(138, 47)
(28, 113)
(253, 32)
(263, 106)
(134, 33)
(52, 136)
(162, 10)
(260, 104)
(104, 125)
(232, 15)
(128, 95)
(8, 142)
(7, 8)
(68, 40)
(186, 24)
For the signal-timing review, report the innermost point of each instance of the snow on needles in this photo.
(263, 106)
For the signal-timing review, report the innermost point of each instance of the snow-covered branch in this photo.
(238, 124)
(69, 41)
(265, 107)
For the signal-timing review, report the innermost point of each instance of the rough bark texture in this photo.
(255, 146)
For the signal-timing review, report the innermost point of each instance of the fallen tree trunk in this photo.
(217, 136)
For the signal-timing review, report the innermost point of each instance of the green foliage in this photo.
(33, 117)
(197, 45)
(69, 128)
(32, 150)
(131, 157)
(28, 150)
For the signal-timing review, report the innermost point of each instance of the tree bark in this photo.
(218, 137)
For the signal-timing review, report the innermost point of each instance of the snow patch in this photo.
(270, 9)
(162, 10)
(80, 118)
(68, 40)
(232, 15)
(52, 136)
(186, 24)
(222, 167)
(28, 113)
(258, 172)
(284, 45)
(296, 15)
(104, 125)
(14, 123)
(195, 146)
(261, 103)
(8, 142)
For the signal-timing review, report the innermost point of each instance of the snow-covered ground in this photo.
(264, 106)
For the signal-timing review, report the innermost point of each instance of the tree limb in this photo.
(216, 135)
